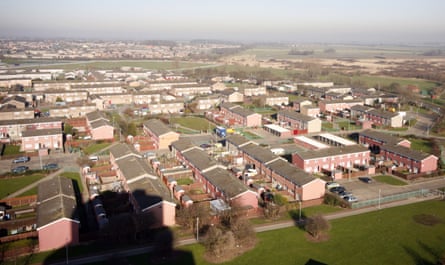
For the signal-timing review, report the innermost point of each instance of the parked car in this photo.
(344, 194)
(19, 169)
(330, 185)
(50, 166)
(350, 199)
(337, 189)
(365, 179)
(22, 159)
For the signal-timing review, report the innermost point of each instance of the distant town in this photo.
(110, 140)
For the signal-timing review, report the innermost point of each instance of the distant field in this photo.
(112, 64)
(349, 51)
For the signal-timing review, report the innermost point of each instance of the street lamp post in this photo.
(299, 211)
(379, 197)
(197, 228)
(66, 250)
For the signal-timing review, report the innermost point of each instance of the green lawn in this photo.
(11, 185)
(389, 180)
(94, 148)
(12, 150)
(184, 181)
(389, 236)
(194, 123)
(423, 145)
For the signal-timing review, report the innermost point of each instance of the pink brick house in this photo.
(329, 159)
(99, 126)
(299, 122)
(217, 181)
(240, 115)
(338, 105)
(375, 138)
(414, 161)
(299, 184)
(41, 139)
(12, 129)
(161, 134)
(57, 214)
(148, 194)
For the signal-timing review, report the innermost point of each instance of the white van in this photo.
(94, 158)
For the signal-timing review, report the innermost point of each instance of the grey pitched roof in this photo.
(99, 123)
(30, 121)
(157, 127)
(41, 132)
(199, 159)
(295, 175)
(242, 111)
(333, 151)
(361, 108)
(383, 114)
(121, 150)
(228, 105)
(405, 152)
(295, 115)
(16, 98)
(94, 116)
(342, 101)
(237, 140)
(182, 144)
(381, 137)
(133, 167)
(148, 192)
(55, 200)
(261, 154)
(225, 182)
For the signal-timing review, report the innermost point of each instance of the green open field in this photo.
(94, 148)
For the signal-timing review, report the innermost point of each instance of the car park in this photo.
(19, 169)
(50, 166)
(22, 159)
(365, 179)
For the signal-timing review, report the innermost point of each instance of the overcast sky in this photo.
(395, 21)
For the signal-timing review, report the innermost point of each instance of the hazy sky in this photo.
(401, 21)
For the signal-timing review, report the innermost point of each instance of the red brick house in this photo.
(99, 127)
(377, 139)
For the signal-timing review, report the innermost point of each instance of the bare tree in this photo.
(317, 225)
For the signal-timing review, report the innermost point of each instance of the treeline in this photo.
(298, 52)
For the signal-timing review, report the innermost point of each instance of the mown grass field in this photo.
(10, 185)
(194, 123)
(423, 145)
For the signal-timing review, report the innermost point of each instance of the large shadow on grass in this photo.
(112, 232)
(420, 255)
